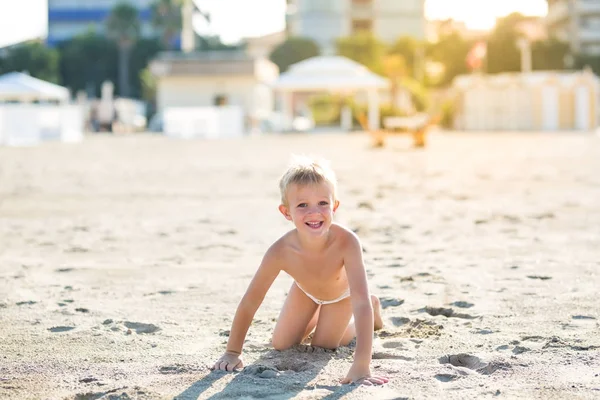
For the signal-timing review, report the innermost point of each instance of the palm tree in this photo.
(168, 16)
(123, 25)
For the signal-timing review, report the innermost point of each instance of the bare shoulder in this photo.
(280, 247)
(348, 239)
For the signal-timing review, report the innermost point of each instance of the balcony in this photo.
(558, 12)
(589, 34)
(587, 7)
(362, 9)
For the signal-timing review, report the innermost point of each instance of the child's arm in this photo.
(260, 284)
(363, 314)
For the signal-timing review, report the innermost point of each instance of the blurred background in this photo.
(223, 68)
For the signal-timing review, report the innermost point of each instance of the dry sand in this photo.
(123, 258)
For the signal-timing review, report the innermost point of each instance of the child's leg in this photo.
(377, 322)
(293, 322)
(332, 323)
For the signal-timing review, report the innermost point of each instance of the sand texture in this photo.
(122, 260)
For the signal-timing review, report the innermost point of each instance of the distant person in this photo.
(330, 283)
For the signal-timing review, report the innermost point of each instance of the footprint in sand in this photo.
(462, 304)
(77, 249)
(262, 371)
(446, 377)
(141, 328)
(390, 302)
(178, 369)
(399, 321)
(583, 317)
(383, 355)
(366, 205)
(473, 363)
(218, 246)
(540, 277)
(446, 312)
(56, 329)
(293, 365)
(26, 303)
(393, 345)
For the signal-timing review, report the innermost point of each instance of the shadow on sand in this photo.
(275, 375)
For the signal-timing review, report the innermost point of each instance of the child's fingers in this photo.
(230, 367)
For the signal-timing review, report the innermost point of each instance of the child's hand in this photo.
(362, 376)
(228, 362)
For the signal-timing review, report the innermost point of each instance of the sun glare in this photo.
(482, 14)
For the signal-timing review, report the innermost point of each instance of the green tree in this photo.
(549, 54)
(451, 51)
(394, 68)
(363, 48)
(503, 54)
(123, 25)
(166, 18)
(86, 61)
(33, 57)
(293, 50)
(408, 48)
(144, 50)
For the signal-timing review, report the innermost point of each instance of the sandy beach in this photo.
(123, 259)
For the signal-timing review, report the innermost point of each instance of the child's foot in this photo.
(378, 322)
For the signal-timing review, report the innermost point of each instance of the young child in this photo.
(330, 282)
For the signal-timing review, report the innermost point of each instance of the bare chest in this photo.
(318, 271)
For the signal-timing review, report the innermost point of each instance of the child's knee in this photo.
(280, 343)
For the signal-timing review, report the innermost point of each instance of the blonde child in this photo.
(330, 282)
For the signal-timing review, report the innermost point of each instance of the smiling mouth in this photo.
(315, 225)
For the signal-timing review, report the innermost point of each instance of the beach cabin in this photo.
(212, 94)
(535, 101)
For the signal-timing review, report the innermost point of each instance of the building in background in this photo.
(576, 22)
(213, 79)
(325, 21)
(68, 18)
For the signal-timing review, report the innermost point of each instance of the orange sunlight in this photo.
(481, 14)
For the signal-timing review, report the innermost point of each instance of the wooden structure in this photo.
(416, 125)
(535, 101)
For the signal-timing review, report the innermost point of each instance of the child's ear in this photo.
(286, 213)
(336, 204)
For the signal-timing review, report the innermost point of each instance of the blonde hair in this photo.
(305, 170)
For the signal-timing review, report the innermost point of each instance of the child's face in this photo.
(310, 207)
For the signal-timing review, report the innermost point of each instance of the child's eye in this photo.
(323, 203)
(302, 205)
